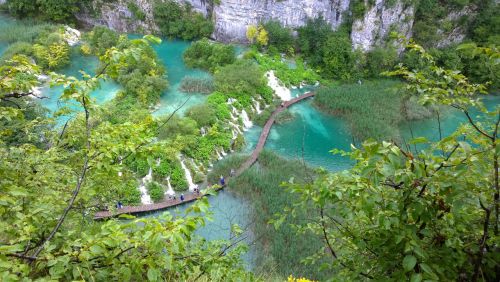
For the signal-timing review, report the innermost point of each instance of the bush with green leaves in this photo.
(130, 194)
(156, 191)
(240, 79)
(178, 126)
(177, 177)
(208, 55)
(142, 75)
(380, 59)
(204, 114)
(180, 21)
(101, 38)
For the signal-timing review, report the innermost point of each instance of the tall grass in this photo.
(279, 251)
(24, 30)
(373, 109)
(191, 84)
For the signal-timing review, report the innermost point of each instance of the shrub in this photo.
(177, 177)
(204, 115)
(156, 191)
(18, 48)
(141, 74)
(178, 127)
(51, 57)
(100, 39)
(209, 55)
(130, 194)
(240, 79)
(379, 60)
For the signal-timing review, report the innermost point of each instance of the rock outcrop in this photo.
(232, 17)
(379, 21)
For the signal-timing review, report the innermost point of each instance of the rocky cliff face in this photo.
(232, 17)
(379, 21)
(117, 16)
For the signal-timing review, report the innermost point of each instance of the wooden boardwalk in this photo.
(189, 197)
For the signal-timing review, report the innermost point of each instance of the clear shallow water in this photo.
(170, 53)
(450, 121)
(227, 210)
(106, 92)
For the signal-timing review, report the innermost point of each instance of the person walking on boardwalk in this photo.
(182, 197)
(222, 181)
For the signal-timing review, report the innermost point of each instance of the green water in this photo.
(170, 53)
(227, 209)
(450, 120)
(106, 91)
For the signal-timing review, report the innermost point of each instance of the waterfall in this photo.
(187, 173)
(281, 91)
(247, 123)
(120, 172)
(170, 191)
(256, 105)
(145, 198)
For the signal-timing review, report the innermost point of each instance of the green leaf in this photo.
(416, 277)
(409, 262)
(419, 140)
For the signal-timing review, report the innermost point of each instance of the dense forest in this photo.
(95, 121)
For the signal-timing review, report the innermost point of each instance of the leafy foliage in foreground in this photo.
(52, 187)
(431, 214)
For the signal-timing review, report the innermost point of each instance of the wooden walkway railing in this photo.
(189, 197)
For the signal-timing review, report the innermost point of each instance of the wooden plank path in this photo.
(189, 197)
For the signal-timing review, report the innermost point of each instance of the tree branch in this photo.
(79, 183)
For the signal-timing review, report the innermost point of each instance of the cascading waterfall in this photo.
(187, 173)
(281, 91)
(170, 191)
(256, 105)
(247, 123)
(145, 198)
